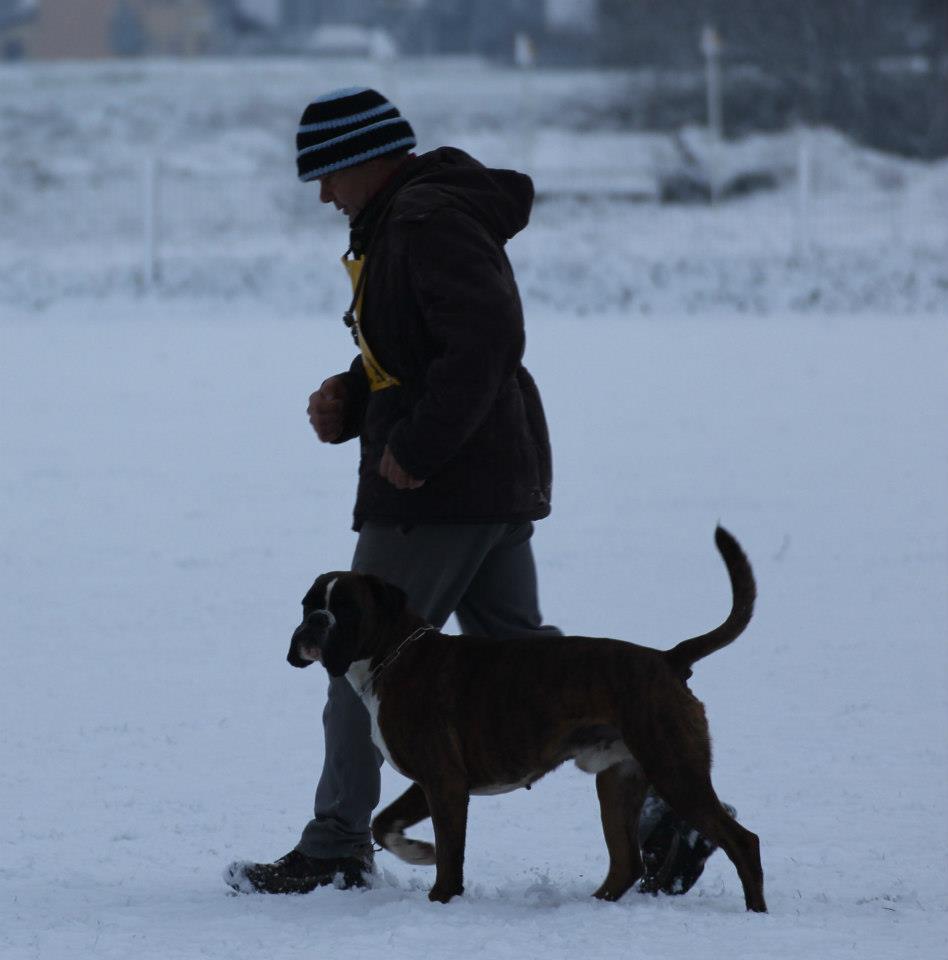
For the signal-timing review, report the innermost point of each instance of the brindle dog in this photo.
(463, 715)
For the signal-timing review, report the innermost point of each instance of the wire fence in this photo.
(804, 191)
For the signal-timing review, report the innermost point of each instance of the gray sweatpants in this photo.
(485, 574)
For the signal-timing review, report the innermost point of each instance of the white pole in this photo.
(524, 58)
(711, 48)
(150, 272)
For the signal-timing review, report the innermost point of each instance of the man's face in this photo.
(350, 189)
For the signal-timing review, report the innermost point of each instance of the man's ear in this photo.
(389, 600)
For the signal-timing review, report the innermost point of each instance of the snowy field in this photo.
(164, 506)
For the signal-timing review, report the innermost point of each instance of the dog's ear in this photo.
(337, 652)
(340, 645)
(389, 600)
(314, 592)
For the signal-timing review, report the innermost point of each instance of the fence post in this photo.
(525, 59)
(150, 267)
(711, 48)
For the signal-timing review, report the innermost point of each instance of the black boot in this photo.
(298, 873)
(674, 853)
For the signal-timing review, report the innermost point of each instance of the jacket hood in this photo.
(500, 199)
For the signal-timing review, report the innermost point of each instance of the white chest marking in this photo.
(358, 676)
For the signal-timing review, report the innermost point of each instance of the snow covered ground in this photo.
(163, 507)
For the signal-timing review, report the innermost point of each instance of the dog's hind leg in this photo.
(698, 804)
(388, 827)
(743, 848)
(621, 791)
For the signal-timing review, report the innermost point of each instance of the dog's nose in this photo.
(307, 637)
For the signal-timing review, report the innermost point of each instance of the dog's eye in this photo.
(342, 606)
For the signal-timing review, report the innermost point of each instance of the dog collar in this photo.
(393, 656)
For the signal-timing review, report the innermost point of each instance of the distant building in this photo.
(315, 13)
(84, 29)
(15, 19)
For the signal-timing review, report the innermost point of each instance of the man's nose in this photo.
(325, 193)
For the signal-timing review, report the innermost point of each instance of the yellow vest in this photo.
(379, 379)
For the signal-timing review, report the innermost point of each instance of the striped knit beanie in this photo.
(348, 127)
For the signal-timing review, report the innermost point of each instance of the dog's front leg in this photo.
(621, 790)
(448, 799)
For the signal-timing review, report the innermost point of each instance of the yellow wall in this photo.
(80, 29)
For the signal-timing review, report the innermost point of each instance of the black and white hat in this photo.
(347, 127)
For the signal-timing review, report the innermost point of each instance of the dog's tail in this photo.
(744, 591)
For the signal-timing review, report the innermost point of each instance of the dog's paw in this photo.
(612, 890)
(416, 852)
(442, 893)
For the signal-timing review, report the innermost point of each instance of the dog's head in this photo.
(346, 617)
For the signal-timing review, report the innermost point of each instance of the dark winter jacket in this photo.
(441, 314)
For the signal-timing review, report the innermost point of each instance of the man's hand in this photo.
(396, 476)
(327, 409)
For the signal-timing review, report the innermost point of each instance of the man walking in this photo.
(455, 458)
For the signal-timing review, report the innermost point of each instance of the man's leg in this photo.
(674, 853)
(348, 788)
(434, 565)
(501, 599)
(335, 847)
